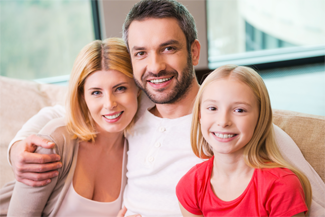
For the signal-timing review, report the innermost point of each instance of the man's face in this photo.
(161, 65)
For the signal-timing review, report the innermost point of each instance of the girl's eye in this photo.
(239, 110)
(212, 108)
(121, 88)
(96, 92)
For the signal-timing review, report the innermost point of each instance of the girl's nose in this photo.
(223, 120)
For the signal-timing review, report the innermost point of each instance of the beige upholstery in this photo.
(19, 100)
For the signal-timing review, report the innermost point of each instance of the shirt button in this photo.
(150, 159)
(157, 144)
(162, 129)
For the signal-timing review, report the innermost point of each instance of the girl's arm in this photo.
(186, 213)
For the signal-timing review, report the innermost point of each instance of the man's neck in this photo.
(179, 108)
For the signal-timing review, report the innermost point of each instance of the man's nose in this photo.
(156, 64)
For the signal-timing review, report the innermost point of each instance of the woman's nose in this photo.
(110, 102)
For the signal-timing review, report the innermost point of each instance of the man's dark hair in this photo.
(162, 9)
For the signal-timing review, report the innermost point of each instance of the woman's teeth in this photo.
(157, 81)
(224, 136)
(110, 117)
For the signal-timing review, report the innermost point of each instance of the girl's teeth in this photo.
(157, 81)
(110, 117)
(224, 136)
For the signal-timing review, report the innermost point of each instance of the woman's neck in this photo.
(108, 142)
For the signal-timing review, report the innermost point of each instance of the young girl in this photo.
(245, 174)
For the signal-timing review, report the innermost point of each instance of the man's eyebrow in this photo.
(170, 42)
(135, 48)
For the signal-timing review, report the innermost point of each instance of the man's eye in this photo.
(212, 108)
(169, 48)
(95, 93)
(141, 53)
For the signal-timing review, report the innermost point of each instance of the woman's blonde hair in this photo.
(262, 150)
(109, 54)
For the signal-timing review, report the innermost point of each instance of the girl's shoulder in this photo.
(275, 173)
(278, 178)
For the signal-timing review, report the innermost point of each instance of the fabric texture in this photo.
(46, 200)
(271, 192)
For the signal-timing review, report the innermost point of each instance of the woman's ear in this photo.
(195, 52)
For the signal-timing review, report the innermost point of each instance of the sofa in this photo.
(20, 100)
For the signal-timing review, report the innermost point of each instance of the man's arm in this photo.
(31, 168)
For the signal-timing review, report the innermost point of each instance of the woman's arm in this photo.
(31, 201)
(186, 213)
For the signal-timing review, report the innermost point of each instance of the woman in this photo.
(101, 104)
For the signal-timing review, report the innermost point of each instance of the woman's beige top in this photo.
(48, 200)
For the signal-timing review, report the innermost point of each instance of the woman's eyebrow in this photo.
(120, 84)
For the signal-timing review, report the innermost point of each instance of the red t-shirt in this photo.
(271, 192)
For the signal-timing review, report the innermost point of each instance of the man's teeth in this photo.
(224, 136)
(110, 117)
(157, 81)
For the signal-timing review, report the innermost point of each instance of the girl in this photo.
(245, 174)
(101, 103)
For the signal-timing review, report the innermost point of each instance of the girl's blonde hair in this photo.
(262, 150)
(109, 54)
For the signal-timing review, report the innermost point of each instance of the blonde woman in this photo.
(101, 103)
(245, 174)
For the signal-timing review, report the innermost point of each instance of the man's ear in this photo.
(195, 52)
(139, 92)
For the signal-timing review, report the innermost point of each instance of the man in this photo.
(162, 41)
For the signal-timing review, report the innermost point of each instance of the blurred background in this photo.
(284, 40)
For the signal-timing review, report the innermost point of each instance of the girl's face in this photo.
(228, 115)
(111, 98)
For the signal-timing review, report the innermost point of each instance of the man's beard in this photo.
(178, 92)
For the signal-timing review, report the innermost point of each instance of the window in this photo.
(252, 31)
(41, 38)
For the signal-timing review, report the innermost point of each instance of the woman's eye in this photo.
(95, 93)
(212, 108)
(121, 88)
(169, 48)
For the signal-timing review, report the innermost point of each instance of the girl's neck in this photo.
(230, 165)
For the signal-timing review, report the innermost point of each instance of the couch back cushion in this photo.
(308, 132)
(19, 101)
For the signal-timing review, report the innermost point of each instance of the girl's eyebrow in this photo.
(215, 101)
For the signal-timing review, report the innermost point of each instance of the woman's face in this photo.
(111, 98)
(228, 115)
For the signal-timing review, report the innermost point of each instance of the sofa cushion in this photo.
(20, 100)
(308, 132)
